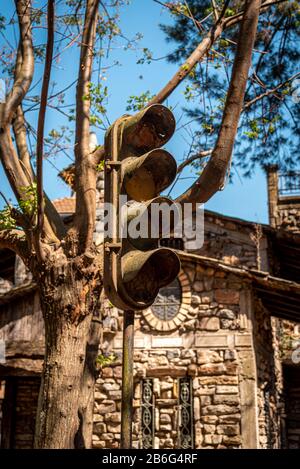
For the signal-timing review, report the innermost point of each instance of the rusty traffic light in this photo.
(135, 268)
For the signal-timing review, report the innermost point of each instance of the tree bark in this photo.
(69, 294)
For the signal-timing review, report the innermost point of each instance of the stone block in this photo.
(114, 428)
(164, 418)
(231, 368)
(227, 297)
(212, 369)
(205, 400)
(219, 409)
(211, 340)
(99, 428)
(203, 380)
(220, 283)
(110, 386)
(210, 419)
(98, 444)
(205, 391)
(206, 298)
(97, 417)
(107, 372)
(208, 283)
(212, 439)
(166, 427)
(171, 354)
(108, 406)
(232, 440)
(230, 355)
(234, 418)
(198, 286)
(226, 314)
(227, 389)
(208, 356)
(118, 372)
(209, 324)
(197, 413)
(113, 418)
(195, 300)
(209, 429)
(115, 395)
(99, 396)
(229, 430)
(226, 399)
(107, 436)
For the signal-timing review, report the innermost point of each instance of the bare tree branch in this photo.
(191, 159)
(11, 163)
(25, 69)
(200, 52)
(85, 171)
(41, 119)
(233, 20)
(23, 77)
(19, 130)
(269, 92)
(189, 64)
(215, 10)
(197, 55)
(213, 175)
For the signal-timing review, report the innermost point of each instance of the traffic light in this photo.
(137, 169)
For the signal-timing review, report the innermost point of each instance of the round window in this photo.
(168, 301)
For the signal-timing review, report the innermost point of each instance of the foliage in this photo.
(97, 96)
(7, 222)
(147, 56)
(104, 360)
(136, 103)
(100, 166)
(269, 130)
(28, 201)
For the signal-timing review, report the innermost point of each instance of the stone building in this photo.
(216, 356)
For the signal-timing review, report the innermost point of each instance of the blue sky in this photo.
(244, 198)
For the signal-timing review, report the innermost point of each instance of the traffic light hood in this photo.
(145, 177)
(144, 273)
(150, 128)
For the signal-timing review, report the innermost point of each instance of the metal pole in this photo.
(127, 380)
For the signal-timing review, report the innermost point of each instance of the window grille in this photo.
(186, 420)
(148, 420)
(168, 301)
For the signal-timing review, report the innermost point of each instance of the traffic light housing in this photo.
(135, 268)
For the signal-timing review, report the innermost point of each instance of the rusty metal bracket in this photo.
(112, 246)
(110, 164)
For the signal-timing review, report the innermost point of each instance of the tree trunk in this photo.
(69, 297)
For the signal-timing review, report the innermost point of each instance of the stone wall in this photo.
(269, 378)
(284, 211)
(288, 214)
(233, 242)
(214, 348)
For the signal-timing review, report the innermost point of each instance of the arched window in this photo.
(168, 301)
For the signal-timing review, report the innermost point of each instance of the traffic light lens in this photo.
(145, 273)
(150, 128)
(145, 177)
